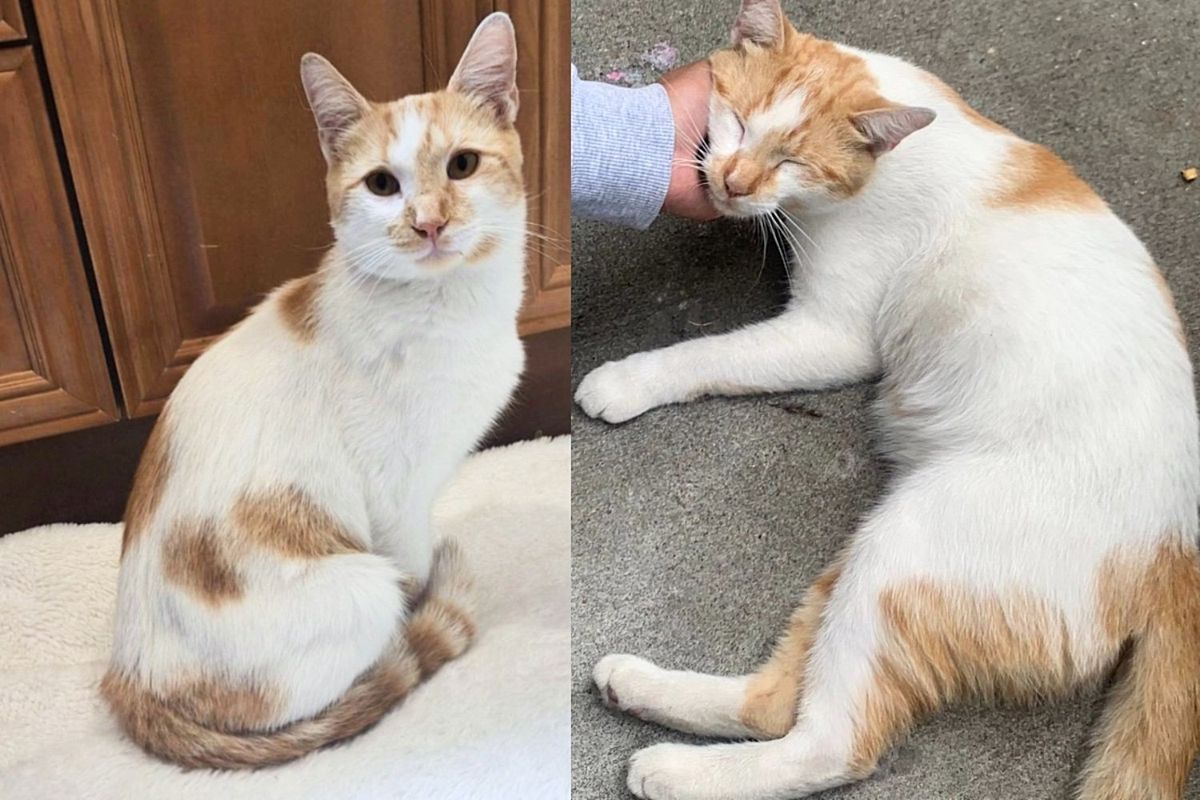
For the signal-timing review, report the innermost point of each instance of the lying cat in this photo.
(279, 527)
(1036, 398)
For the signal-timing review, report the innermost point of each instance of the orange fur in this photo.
(149, 482)
(288, 522)
(1150, 730)
(437, 633)
(1036, 178)
(838, 86)
(946, 644)
(773, 695)
(297, 304)
(217, 705)
(194, 557)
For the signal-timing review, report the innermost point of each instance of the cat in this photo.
(279, 585)
(1036, 400)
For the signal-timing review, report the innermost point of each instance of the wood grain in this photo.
(543, 78)
(12, 24)
(53, 375)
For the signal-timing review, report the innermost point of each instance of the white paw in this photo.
(617, 391)
(670, 772)
(622, 680)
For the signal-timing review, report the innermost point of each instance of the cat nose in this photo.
(430, 229)
(735, 187)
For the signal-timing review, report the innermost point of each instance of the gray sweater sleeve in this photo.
(622, 143)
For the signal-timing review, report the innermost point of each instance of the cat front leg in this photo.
(795, 350)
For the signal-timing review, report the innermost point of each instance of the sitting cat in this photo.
(1035, 396)
(279, 530)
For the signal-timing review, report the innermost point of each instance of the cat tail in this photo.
(440, 628)
(1149, 731)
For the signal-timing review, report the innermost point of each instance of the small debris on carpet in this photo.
(661, 56)
(801, 409)
(1190, 174)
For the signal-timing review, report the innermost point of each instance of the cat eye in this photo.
(462, 165)
(382, 183)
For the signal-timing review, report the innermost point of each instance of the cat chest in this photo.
(426, 405)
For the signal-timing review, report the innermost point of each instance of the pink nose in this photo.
(735, 188)
(430, 229)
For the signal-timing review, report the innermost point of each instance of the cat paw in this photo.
(616, 392)
(668, 772)
(621, 679)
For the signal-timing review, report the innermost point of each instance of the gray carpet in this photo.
(696, 528)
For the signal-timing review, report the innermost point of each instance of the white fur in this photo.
(495, 723)
(1034, 396)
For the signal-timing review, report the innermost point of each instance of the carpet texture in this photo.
(696, 528)
(492, 724)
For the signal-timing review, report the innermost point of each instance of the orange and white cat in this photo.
(278, 534)
(1036, 398)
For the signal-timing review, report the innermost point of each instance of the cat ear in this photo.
(886, 128)
(488, 68)
(761, 22)
(334, 102)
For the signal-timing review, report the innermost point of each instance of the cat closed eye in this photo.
(382, 183)
(462, 165)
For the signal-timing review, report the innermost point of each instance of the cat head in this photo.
(794, 121)
(428, 183)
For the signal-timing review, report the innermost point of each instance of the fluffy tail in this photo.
(1150, 731)
(439, 629)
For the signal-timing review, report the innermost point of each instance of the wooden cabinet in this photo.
(53, 373)
(12, 24)
(198, 177)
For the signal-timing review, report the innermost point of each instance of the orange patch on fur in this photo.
(194, 558)
(1034, 177)
(297, 305)
(437, 632)
(944, 644)
(206, 701)
(773, 695)
(288, 522)
(149, 483)
(205, 723)
(1150, 730)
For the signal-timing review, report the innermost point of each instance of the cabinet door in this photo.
(206, 189)
(544, 79)
(53, 375)
(12, 26)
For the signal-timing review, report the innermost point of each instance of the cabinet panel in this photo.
(53, 375)
(208, 192)
(12, 25)
(543, 76)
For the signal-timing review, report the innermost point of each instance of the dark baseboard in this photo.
(85, 476)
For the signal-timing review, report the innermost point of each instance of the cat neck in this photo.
(363, 310)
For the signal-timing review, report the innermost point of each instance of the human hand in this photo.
(688, 90)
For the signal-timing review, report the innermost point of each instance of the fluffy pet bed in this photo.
(493, 724)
